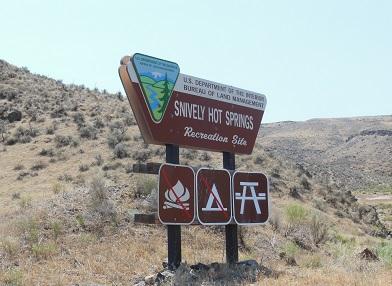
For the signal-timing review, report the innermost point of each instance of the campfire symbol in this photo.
(176, 197)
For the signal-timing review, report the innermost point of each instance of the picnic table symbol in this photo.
(253, 196)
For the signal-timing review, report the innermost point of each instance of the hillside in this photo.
(354, 152)
(68, 194)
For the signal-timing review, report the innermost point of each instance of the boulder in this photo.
(367, 254)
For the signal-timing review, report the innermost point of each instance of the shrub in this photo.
(19, 167)
(50, 130)
(25, 202)
(275, 173)
(84, 168)
(46, 152)
(115, 137)
(258, 160)
(38, 166)
(58, 112)
(204, 156)
(98, 123)
(10, 246)
(89, 132)
(129, 120)
(98, 160)
(137, 137)
(57, 188)
(56, 228)
(114, 166)
(66, 178)
(29, 230)
(144, 186)
(62, 141)
(128, 168)
(275, 220)
(320, 204)
(142, 155)
(121, 151)
(318, 230)
(305, 183)
(24, 135)
(78, 118)
(290, 249)
(295, 214)
(313, 261)
(101, 209)
(384, 251)
(75, 142)
(80, 220)
(13, 277)
(3, 129)
(11, 141)
(22, 174)
(189, 154)
(16, 196)
(44, 250)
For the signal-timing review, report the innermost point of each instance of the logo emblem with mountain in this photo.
(157, 79)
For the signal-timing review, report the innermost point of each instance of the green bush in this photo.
(62, 141)
(89, 132)
(290, 249)
(101, 209)
(121, 151)
(318, 229)
(29, 230)
(144, 185)
(25, 202)
(295, 214)
(384, 251)
(44, 250)
(10, 246)
(13, 277)
(46, 152)
(24, 135)
(313, 261)
(79, 119)
(141, 155)
(56, 228)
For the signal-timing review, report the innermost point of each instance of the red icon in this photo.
(213, 188)
(250, 198)
(176, 196)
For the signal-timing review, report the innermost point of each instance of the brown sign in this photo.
(174, 108)
(250, 198)
(213, 189)
(176, 196)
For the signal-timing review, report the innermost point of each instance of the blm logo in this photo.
(157, 79)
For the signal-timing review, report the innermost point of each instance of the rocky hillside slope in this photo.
(356, 153)
(68, 194)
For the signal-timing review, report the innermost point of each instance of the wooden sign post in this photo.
(173, 231)
(230, 229)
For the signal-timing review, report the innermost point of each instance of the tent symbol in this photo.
(214, 198)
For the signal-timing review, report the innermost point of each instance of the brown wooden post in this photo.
(173, 231)
(231, 229)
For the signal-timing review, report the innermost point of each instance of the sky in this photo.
(312, 59)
